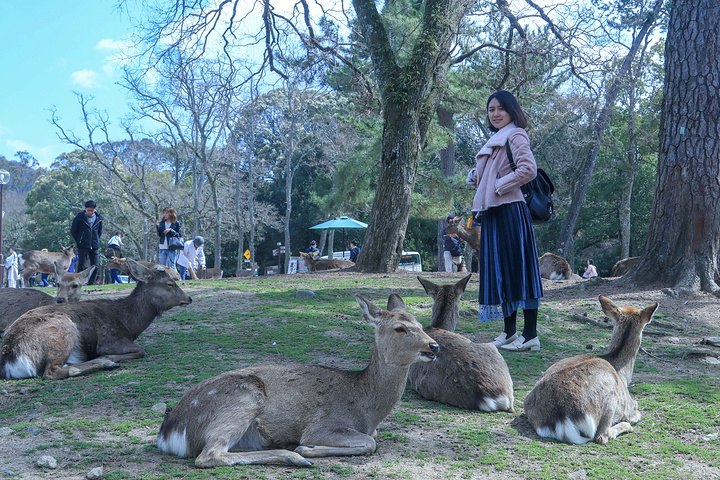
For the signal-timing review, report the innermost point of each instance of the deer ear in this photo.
(609, 307)
(395, 302)
(647, 313)
(430, 288)
(371, 312)
(462, 284)
(138, 271)
(86, 273)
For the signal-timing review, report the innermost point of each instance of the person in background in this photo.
(86, 229)
(590, 270)
(312, 248)
(452, 249)
(44, 276)
(509, 276)
(191, 256)
(168, 227)
(354, 251)
(11, 266)
(114, 250)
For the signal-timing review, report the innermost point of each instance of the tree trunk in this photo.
(447, 167)
(625, 210)
(391, 207)
(565, 245)
(410, 95)
(682, 244)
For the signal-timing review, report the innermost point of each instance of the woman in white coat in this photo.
(11, 265)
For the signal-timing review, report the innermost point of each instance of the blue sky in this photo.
(48, 50)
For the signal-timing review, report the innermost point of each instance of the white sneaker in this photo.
(520, 345)
(504, 340)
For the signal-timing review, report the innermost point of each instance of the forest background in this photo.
(253, 150)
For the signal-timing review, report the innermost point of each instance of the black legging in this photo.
(529, 328)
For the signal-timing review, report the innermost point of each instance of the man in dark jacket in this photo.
(452, 249)
(86, 229)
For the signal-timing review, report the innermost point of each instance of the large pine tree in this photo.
(683, 241)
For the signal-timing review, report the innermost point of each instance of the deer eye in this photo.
(401, 329)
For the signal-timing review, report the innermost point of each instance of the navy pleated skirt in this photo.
(509, 270)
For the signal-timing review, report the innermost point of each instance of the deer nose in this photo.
(60, 300)
(435, 348)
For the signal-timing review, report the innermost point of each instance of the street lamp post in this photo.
(4, 179)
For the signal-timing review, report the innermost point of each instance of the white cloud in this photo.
(110, 44)
(86, 78)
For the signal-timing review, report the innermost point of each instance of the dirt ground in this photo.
(689, 314)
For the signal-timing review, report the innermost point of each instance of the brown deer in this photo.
(209, 273)
(44, 262)
(623, 266)
(467, 375)
(469, 235)
(121, 264)
(17, 301)
(324, 264)
(60, 341)
(256, 414)
(554, 267)
(247, 273)
(585, 398)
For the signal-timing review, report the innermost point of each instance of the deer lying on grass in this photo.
(466, 374)
(586, 398)
(253, 415)
(324, 264)
(554, 267)
(470, 235)
(247, 273)
(44, 262)
(60, 341)
(623, 266)
(209, 273)
(17, 301)
(122, 265)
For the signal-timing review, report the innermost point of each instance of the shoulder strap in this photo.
(509, 155)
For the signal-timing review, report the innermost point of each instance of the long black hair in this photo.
(510, 105)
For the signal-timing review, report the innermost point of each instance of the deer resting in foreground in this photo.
(467, 375)
(45, 262)
(324, 264)
(554, 267)
(60, 341)
(586, 398)
(282, 414)
(17, 301)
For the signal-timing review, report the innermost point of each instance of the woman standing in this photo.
(510, 274)
(11, 265)
(168, 227)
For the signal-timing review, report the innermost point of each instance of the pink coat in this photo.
(494, 173)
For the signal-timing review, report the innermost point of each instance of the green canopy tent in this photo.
(340, 223)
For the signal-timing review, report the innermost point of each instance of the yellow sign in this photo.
(247, 254)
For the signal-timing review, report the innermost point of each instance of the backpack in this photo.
(537, 192)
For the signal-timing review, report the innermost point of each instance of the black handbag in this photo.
(537, 192)
(175, 243)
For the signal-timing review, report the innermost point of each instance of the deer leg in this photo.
(217, 455)
(336, 442)
(75, 369)
(123, 349)
(618, 429)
